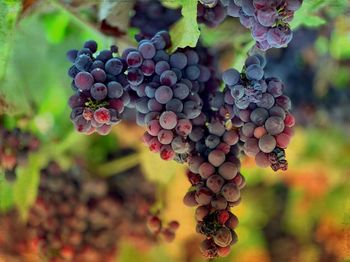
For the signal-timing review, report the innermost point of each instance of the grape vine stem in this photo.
(83, 23)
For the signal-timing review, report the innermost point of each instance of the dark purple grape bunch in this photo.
(215, 184)
(218, 226)
(164, 90)
(268, 20)
(210, 12)
(74, 218)
(260, 111)
(158, 228)
(151, 17)
(98, 82)
(15, 147)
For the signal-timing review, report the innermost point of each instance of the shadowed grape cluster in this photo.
(210, 12)
(77, 218)
(267, 19)
(15, 147)
(151, 17)
(157, 227)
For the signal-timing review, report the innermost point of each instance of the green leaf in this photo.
(56, 25)
(314, 21)
(185, 32)
(309, 13)
(8, 16)
(6, 195)
(26, 187)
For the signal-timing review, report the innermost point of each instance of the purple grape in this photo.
(168, 78)
(192, 72)
(115, 90)
(99, 91)
(254, 72)
(147, 67)
(237, 92)
(134, 59)
(163, 94)
(181, 91)
(233, 9)
(72, 55)
(147, 50)
(83, 81)
(165, 136)
(259, 116)
(215, 183)
(83, 62)
(231, 77)
(161, 66)
(267, 101)
(135, 76)
(192, 57)
(267, 143)
(267, 17)
(178, 60)
(274, 125)
(168, 120)
(230, 192)
(279, 36)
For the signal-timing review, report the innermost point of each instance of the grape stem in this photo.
(118, 166)
(89, 26)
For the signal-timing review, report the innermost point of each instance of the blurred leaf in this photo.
(118, 165)
(157, 169)
(306, 14)
(26, 186)
(8, 15)
(6, 195)
(116, 13)
(9, 11)
(171, 4)
(185, 32)
(56, 25)
(314, 21)
(340, 39)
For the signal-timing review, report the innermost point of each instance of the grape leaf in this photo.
(8, 15)
(116, 13)
(185, 32)
(308, 14)
(26, 186)
(6, 195)
(9, 11)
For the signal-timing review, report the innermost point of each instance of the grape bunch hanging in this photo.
(177, 98)
(80, 218)
(268, 20)
(15, 147)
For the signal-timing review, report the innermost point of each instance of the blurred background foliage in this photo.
(299, 215)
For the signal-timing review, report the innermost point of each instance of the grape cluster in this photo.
(210, 12)
(267, 19)
(165, 92)
(260, 111)
(98, 82)
(156, 226)
(215, 185)
(77, 218)
(177, 97)
(15, 146)
(151, 17)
